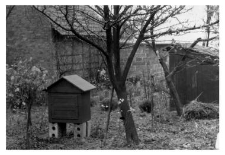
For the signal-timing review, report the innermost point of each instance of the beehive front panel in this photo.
(64, 107)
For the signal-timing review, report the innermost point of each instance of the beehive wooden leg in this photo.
(88, 130)
(80, 130)
(54, 130)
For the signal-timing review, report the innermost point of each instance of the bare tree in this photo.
(115, 26)
(212, 13)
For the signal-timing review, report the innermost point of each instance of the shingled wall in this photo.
(28, 34)
(77, 57)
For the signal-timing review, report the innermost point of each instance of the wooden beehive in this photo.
(69, 100)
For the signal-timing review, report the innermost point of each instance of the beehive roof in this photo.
(77, 81)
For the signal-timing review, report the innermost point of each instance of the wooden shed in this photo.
(69, 100)
(200, 76)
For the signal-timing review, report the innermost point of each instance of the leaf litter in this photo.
(176, 133)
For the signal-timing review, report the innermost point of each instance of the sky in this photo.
(194, 16)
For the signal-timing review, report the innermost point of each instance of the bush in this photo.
(146, 106)
(199, 110)
(93, 102)
(24, 83)
(102, 80)
(105, 105)
(97, 132)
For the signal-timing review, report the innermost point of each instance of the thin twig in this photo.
(108, 117)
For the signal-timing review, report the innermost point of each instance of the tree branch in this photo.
(180, 30)
(116, 43)
(135, 47)
(200, 39)
(10, 11)
(201, 58)
(71, 29)
(109, 47)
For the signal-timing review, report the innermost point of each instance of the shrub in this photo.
(199, 110)
(146, 106)
(105, 105)
(93, 102)
(102, 80)
(24, 81)
(97, 132)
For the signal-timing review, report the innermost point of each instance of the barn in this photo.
(199, 77)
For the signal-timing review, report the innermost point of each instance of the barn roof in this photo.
(202, 49)
(206, 55)
(77, 81)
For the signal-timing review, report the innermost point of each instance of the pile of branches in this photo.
(199, 110)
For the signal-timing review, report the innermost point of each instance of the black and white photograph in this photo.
(112, 77)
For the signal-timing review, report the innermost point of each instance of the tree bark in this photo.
(169, 81)
(126, 116)
(29, 104)
(172, 88)
(9, 11)
(29, 123)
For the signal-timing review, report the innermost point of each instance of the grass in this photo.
(176, 133)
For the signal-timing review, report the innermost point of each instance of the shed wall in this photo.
(195, 80)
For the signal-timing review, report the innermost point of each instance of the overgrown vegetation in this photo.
(25, 82)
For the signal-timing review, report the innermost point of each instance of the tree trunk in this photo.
(126, 116)
(208, 33)
(152, 100)
(172, 88)
(28, 125)
(169, 81)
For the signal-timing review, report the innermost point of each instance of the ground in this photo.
(175, 133)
